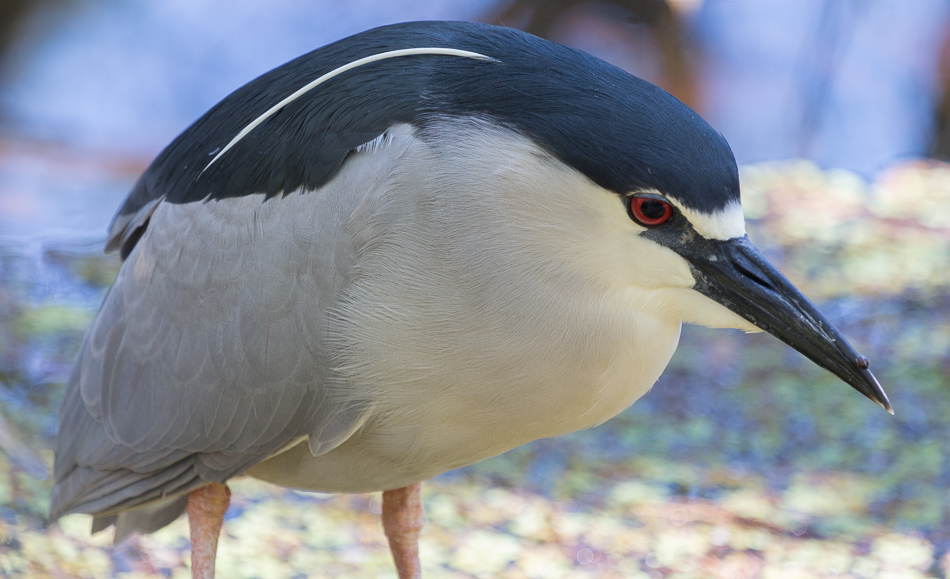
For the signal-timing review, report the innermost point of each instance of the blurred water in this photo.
(50, 200)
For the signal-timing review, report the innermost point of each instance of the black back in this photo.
(620, 131)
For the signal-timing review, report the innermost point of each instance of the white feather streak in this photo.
(336, 72)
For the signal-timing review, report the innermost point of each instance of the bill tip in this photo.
(886, 405)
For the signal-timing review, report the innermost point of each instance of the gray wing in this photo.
(208, 355)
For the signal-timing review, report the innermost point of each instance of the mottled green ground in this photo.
(744, 461)
(627, 529)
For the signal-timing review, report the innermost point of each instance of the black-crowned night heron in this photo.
(400, 254)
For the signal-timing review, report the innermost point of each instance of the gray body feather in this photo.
(420, 265)
(367, 335)
(207, 355)
(329, 310)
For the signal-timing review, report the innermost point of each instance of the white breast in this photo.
(496, 299)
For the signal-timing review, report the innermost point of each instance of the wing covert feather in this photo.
(208, 355)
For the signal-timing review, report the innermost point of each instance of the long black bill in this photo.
(737, 275)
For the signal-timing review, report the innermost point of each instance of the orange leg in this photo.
(206, 508)
(402, 523)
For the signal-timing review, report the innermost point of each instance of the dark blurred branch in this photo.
(540, 17)
(12, 14)
(940, 146)
(821, 61)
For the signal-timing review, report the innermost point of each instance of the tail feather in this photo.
(134, 502)
(149, 518)
(87, 490)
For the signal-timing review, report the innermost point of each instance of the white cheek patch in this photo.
(727, 223)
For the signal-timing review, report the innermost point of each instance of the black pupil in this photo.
(653, 209)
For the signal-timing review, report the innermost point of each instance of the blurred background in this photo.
(744, 461)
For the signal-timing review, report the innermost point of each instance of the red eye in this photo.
(650, 211)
